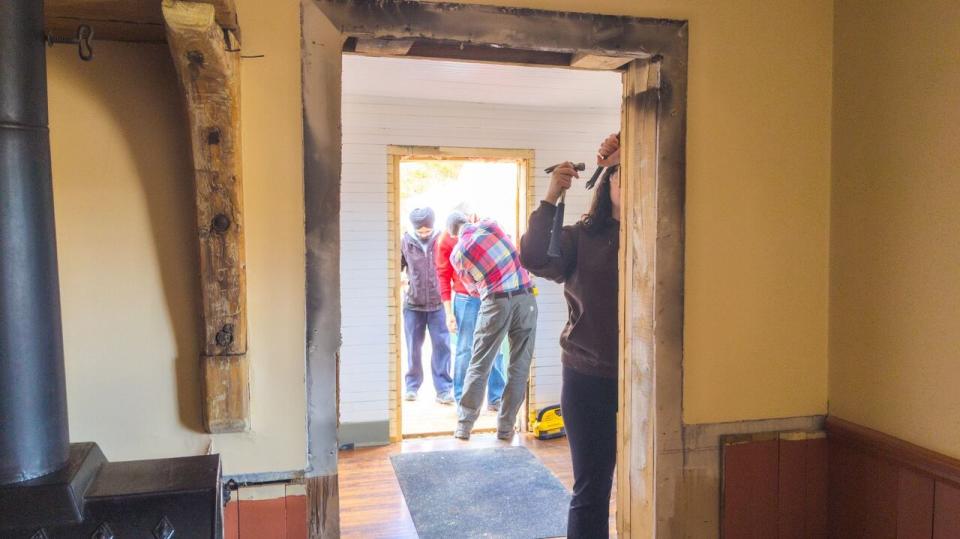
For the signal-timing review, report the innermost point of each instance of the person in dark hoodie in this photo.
(423, 308)
(588, 269)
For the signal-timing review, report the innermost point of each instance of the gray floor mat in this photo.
(502, 493)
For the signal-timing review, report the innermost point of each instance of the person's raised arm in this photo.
(534, 243)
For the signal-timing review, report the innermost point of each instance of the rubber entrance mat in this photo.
(502, 493)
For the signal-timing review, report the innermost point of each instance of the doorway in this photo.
(477, 182)
(437, 120)
(405, 110)
(653, 143)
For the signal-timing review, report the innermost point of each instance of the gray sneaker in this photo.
(462, 433)
(446, 398)
(505, 435)
(493, 406)
(410, 396)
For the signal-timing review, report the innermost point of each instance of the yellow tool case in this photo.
(547, 423)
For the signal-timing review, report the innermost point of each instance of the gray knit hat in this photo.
(454, 221)
(422, 217)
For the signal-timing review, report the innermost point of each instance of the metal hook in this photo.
(82, 40)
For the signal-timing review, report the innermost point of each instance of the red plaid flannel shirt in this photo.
(486, 260)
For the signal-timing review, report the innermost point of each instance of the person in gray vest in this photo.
(423, 308)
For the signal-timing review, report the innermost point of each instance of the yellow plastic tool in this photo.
(547, 423)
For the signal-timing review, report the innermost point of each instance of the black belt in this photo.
(511, 293)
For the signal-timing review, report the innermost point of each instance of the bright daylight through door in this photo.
(471, 188)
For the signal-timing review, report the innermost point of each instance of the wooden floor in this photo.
(372, 504)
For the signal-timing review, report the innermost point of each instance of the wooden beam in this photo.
(226, 393)
(124, 20)
(636, 477)
(509, 27)
(384, 47)
(323, 507)
(226, 14)
(210, 78)
(586, 60)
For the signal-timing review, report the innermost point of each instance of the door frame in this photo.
(649, 489)
(525, 196)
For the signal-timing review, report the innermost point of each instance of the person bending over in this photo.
(462, 309)
(588, 269)
(487, 261)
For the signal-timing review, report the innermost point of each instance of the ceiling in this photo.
(480, 82)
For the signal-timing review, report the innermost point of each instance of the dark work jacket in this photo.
(423, 293)
(588, 269)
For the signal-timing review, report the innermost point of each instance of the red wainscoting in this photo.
(883, 487)
(277, 518)
(774, 486)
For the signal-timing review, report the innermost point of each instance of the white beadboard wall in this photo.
(370, 124)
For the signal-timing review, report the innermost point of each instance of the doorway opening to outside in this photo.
(474, 183)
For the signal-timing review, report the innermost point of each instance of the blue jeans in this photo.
(465, 310)
(415, 325)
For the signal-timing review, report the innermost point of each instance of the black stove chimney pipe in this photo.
(34, 440)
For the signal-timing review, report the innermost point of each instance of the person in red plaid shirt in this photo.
(462, 309)
(487, 262)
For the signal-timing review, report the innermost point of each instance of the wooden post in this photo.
(636, 422)
(210, 77)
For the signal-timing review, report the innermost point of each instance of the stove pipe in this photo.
(34, 440)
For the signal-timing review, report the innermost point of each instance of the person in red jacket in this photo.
(462, 309)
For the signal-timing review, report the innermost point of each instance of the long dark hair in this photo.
(601, 209)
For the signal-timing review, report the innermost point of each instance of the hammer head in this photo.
(577, 166)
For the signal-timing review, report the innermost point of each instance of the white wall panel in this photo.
(370, 124)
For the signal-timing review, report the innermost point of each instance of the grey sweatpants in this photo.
(515, 318)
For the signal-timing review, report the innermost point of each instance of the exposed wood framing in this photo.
(210, 77)
(384, 47)
(506, 27)
(322, 66)
(440, 30)
(396, 296)
(323, 507)
(488, 54)
(526, 202)
(226, 14)
(124, 20)
(586, 60)
(638, 237)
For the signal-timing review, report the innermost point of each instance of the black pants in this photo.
(589, 408)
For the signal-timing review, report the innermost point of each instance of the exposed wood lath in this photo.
(210, 77)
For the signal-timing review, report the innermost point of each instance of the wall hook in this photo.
(82, 40)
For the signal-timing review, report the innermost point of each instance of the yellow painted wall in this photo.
(895, 256)
(758, 181)
(125, 215)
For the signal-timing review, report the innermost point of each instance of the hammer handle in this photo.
(554, 248)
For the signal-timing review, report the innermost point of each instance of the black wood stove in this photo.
(50, 488)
